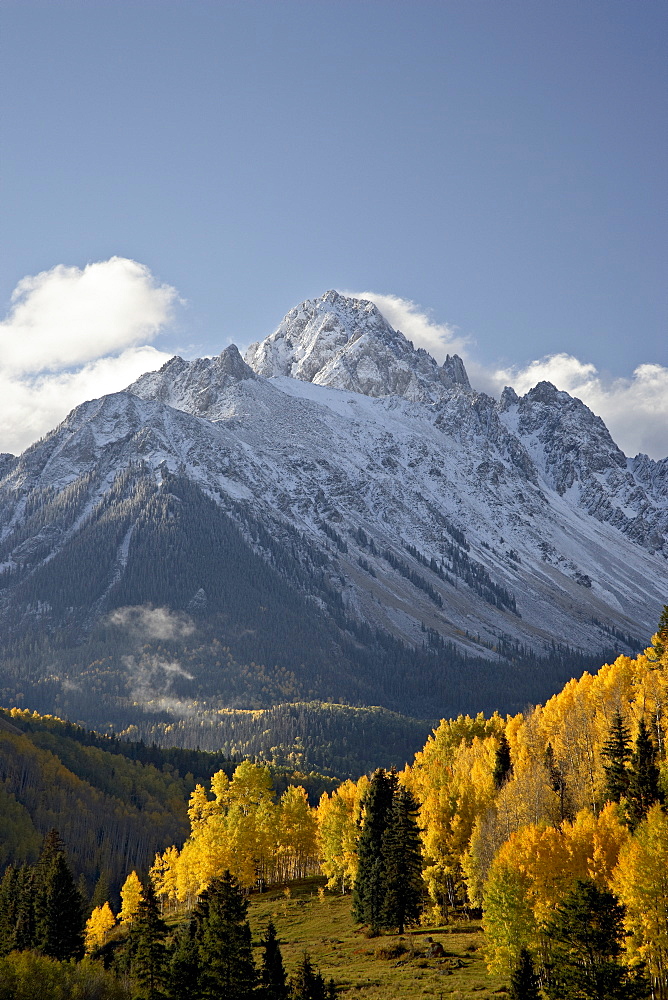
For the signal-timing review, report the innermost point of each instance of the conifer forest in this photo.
(134, 871)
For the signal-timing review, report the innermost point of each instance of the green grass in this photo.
(373, 968)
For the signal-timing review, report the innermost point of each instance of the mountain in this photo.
(336, 517)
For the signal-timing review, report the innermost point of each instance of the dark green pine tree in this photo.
(183, 979)
(25, 931)
(369, 885)
(402, 861)
(224, 936)
(307, 984)
(643, 787)
(524, 983)
(617, 753)
(59, 906)
(585, 938)
(147, 947)
(662, 632)
(558, 783)
(503, 765)
(272, 973)
(9, 907)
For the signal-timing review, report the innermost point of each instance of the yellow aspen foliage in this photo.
(338, 818)
(98, 926)
(297, 833)
(131, 896)
(454, 786)
(641, 883)
(250, 785)
(164, 875)
(594, 843)
(539, 863)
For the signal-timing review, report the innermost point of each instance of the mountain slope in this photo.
(347, 519)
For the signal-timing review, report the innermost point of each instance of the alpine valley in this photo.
(335, 520)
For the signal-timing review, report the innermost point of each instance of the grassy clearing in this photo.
(383, 968)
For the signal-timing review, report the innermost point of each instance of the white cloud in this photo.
(73, 334)
(415, 324)
(635, 409)
(146, 623)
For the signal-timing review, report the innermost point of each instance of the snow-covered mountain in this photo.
(377, 484)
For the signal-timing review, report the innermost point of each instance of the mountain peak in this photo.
(347, 343)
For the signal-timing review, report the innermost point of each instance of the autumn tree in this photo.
(131, 897)
(98, 927)
(641, 882)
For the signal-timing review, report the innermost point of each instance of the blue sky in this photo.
(500, 163)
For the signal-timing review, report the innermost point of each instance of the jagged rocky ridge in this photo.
(383, 493)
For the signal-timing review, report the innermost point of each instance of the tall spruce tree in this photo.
(585, 939)
(503, 765)
(617, 752)
(369, 885)
(59, 907)
(184, 967)
(524, 984)
(224, 936)
(272, 974)
(307, 983)
(402, 861)
(643, 786)
(662, 632)
(149, 955)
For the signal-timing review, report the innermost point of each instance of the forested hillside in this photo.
(546, 823)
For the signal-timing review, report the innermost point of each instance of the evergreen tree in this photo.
(503, 765)
(223, 932)
(662, 632)
(643, 787)
(585, 939)
(272, 975)
(59, 907)
(369, 886)
(183, 981)
(307, 984)
(9, 907)
(402, 861)
(558, 784)
(524, 983)
(616, 751)
(24, 931)
(149, 956)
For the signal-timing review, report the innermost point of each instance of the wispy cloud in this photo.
(148, 624)
(417, 325)
(72, 334)
(635, 409)
(151, 676)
